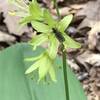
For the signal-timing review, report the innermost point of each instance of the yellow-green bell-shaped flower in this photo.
(44, 64)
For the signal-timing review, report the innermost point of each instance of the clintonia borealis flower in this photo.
(48, 29)
(52, 32)
(44, 64)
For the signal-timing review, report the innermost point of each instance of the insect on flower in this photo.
(58, 35)
(53, 32)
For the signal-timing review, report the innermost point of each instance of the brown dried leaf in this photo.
(92, 13)
(11, 21)
(94, 37)
(6, 37)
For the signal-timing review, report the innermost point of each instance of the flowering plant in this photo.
(52, 31)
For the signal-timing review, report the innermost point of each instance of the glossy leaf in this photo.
(14, 85)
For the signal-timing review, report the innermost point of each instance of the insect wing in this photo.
(58, 35)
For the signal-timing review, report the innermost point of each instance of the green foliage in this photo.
(14, 85)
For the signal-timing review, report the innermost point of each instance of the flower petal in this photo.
(39, 61)
(35, 10)
(53, 47)
(64, 23)
(70, 43)
(32, 67)
(34, 58)
(52, 74)
(26, 20)
(38, 40)
(40, 27)
(49, 19)
(44, 67)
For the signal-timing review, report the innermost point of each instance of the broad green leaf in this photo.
(64, 23)
(14, 85)
(40, 27)
(49, 19)
(70, 43)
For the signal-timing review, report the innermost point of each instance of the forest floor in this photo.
(85, 28)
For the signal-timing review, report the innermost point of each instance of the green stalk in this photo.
(63, 59)
(55, 4)
(65, 73)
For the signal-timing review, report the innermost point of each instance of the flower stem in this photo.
(65, 73)
(57, 9)
(63, 59)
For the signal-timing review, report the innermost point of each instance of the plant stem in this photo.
(63, 59)
(57, 9)
(65, 73)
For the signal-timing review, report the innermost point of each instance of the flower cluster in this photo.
(52, 31)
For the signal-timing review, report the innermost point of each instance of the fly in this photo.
(58, 35)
